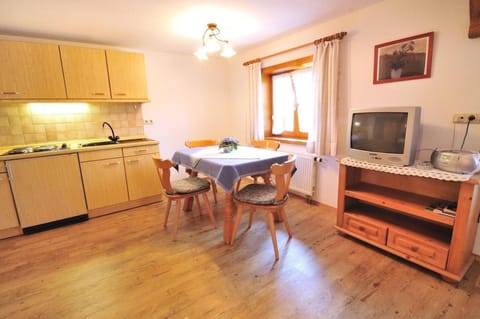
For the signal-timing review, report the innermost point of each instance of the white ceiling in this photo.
(165, 25)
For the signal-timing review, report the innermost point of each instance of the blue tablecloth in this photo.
(227, 168)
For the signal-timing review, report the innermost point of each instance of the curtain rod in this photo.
(339, 35)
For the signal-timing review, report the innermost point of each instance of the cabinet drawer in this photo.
(366, 228)
(99, 155)
(416, 246)
(140, 150)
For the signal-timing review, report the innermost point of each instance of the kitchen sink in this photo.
(97, 143)
(134, 140)
(100, 143)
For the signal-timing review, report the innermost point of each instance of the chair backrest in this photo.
(268, 144)
(283, 174)
(163, 171)
(200, 143)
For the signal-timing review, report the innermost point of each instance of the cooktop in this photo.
(31, 149)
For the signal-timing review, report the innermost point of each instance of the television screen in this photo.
(379, 132)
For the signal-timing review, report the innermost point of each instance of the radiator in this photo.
(303, 181)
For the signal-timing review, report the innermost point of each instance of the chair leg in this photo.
(177, 217)
(169, 204)
(283, 216)
(209, 210)
(214, 190)
(271, 225)
(237, 222)
(197, 201)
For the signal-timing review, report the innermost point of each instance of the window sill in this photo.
(286, 140)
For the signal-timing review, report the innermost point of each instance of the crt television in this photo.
(384, 135)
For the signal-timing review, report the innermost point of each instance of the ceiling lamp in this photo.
(211, 44)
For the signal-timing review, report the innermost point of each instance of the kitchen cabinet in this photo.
(389, 211)
(142, 177)
(127, 75)
(46, 189)
(30, 71)
(8, 214)
(103, 175)
(85, 72)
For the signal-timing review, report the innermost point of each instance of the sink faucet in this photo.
(112, 137)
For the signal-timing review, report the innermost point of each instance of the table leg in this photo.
(227, 222)
(188, 202)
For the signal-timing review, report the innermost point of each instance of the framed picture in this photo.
(474, 29)
(405, 59)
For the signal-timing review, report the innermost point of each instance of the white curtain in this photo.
(255, 126)
(322, 137)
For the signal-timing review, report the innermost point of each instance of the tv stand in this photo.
(389, 211)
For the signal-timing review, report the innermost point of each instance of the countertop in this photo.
(75, 146)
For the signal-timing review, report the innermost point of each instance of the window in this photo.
(288, 96)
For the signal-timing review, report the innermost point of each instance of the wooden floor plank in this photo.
(125, 265)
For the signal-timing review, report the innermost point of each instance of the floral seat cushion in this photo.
(189, 185)
(259, 194)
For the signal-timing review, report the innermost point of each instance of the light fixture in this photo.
(211, 44)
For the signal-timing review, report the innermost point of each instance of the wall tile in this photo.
(19, 126)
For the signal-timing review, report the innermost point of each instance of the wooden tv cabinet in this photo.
(388, 211)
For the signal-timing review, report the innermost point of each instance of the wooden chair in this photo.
(266, 144)
(271, 198)
(203, 143)
(181, 189)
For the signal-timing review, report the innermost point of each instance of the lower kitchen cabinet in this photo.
(118, 179)
(103, 178)
(8, 214)
(46, 189)
(142, 177)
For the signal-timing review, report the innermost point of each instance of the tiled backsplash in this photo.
(18, 125)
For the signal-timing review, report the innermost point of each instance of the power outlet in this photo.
(148, 122)
(463, 118)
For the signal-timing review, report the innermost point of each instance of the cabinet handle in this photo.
(133, 161)
(121, 94)
(143, 150)
(414, 249)
(361, 228)
(11, 93)
(98, 93)
(112, 164)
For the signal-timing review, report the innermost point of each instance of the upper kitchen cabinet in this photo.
(127, 75)
(85, 72)
(30, 71)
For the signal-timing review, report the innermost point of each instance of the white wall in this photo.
(452, 88)
(189, 99)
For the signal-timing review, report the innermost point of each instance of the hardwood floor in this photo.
(125, 265)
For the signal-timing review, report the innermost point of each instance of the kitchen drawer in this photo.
(140, 150)
(99, 155)
(2, 167)
(419, 247)
(366, 228)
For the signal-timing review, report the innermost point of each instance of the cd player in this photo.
(456, 161)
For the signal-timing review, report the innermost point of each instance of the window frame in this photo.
(296, 136)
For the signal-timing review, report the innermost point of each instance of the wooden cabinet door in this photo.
(47, 189)
(85, 72)
(30, 71)
(8, 214)
(126, 71)
(104, 182)
(142, 177)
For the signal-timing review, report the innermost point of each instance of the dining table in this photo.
(227, 168)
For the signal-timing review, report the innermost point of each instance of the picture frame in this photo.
(404, 59)
(474, 28)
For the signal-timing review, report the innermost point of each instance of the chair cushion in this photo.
(189, 185)
(258, 194)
